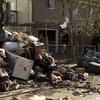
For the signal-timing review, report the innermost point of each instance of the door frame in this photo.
(56, 38)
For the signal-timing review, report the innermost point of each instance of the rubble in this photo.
(67, 98)
(82, 92)
(78, 93)
(37, 68)
(22, 68)
(35, 97)
(42, 97)
(91, 61)
(4, 77)
(53, 73)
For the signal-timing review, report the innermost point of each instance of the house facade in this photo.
(18, 11)
(47, 16)
(44, 17)
(18, 15)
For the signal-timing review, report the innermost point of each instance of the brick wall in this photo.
(41, 12)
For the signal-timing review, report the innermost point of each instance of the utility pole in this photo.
(71, 28)
(46, 35)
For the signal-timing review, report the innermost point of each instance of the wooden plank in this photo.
(17, 92)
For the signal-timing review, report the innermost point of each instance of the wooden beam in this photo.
(17, 92)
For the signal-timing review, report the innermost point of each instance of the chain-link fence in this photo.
(66, 52)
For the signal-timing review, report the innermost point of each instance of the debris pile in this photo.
(91, 61)
(29, 61)
(4, 77)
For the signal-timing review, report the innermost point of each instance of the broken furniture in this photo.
(21, 66)
(91, 61)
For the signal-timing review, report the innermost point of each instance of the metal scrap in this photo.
(4, 77)
(45, 68)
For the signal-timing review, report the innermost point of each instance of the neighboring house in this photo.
(44, 17)
(18, 14)
(47, 16)
(19, 11)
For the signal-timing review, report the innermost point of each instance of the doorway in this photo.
(50, 38)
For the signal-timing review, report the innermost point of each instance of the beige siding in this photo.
(24, 8)
(24, 11)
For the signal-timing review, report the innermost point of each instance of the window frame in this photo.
(51, 4)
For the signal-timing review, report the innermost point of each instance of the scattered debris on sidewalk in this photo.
(42, 97)
(29, 65)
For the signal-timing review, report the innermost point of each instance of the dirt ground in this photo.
(50, 92)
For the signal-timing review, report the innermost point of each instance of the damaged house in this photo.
(37, 21)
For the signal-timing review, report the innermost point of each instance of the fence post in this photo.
(98, 47)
